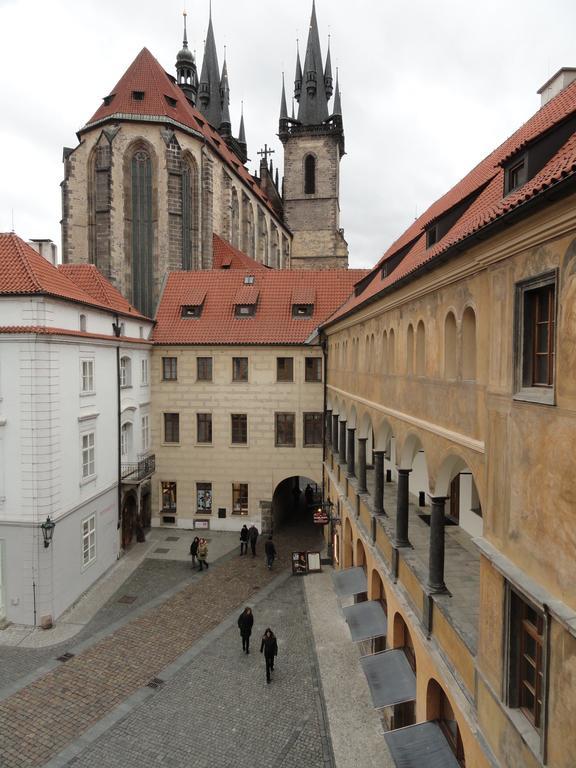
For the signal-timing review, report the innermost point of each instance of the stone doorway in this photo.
(129, 519)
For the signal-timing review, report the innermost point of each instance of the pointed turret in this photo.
(225, 128)
(313, 108)
(186, 73)
(328, 73)
(284, 120)
(209, 97)
(242, 132)
(337, 109)
(298, 76)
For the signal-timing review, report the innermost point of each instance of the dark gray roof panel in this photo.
(350, 581)
(390, 678)
(420, 745)
(366, 620)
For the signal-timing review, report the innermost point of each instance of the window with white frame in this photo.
(125, 372)
(87, 377)
(88, 453)
(88, 540)
(126, 440)
(145, 435)
(144, 372)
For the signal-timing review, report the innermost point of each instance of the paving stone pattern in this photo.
(38, 721)
(219, 712)
(151, 579)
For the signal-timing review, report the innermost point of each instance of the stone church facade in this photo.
(157, 172)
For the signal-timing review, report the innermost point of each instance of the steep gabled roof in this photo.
(24, 272)
(483, 188)
(225, 256)
(273, 321)
(159, 99)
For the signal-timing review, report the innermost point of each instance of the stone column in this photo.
(342, 442)
(378, 482)
(402, 508)
(436, 562)
(328, 429)
(351, 462)
(335, 433)
(362, 465)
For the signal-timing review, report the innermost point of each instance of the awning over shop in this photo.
(350, 581)
(390, 678)
(366, 620)
(420, 745)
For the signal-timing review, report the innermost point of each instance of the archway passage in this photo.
(294, 501)
(129, 519)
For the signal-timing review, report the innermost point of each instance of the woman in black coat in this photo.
(245, 622)
(270, 648)
(194, 550)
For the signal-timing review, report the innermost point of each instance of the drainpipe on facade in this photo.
(117, 329)
(324, 345)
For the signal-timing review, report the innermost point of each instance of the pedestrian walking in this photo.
(194, 550)
(244, 540)
(253, 537)
(245, 622)
(270, 551)
(202, 554)
(309, 495)
(269, 647)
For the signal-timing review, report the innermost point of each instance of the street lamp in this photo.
(47, 531)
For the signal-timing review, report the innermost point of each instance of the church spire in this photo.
(337, 109)
(242, 132)
(209, 91)
(298, 75)
(328, 73)
(283, 107)
(186, 73)
(225, 127)
(313, 108)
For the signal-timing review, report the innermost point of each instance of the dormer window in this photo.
(245, 310)
(302, 310)
(171, 101)
(191, 310)
(249, 280)
(138, 95)
(108, 99)
(516, 175)
(432, 236)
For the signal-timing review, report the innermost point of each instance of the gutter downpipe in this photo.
(117, 328)
(324, 345)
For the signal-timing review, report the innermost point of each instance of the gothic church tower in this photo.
(313, 146)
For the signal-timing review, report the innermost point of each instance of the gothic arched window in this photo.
(310, 175)
(189, 214)
(235, 220)
(142, 232)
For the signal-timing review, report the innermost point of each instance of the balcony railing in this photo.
(135, 471)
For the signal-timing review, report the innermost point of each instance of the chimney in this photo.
(556, 83)
(46, 248)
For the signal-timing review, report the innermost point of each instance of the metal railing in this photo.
(135, 471)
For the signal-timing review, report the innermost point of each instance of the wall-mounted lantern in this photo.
(47, 531)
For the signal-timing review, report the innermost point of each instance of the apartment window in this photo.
(125, 440)
(239, 428)
(526, 659)
(239, 369)
(536, 347)
(125, 372)
(204, 427)
(171, 427)
(284, 369)
(145, 432)
(204, 498)
(87, 373)
(312, 429)
(169, 368)
(285, 429)
(88, 540)
(313, 370)
(302, 310)
(88, 453)
(168, 494)
(204, 368)
(144, 372)
(239, 498)
(83, 323)
(516, 175)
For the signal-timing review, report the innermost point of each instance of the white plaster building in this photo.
(74, 361)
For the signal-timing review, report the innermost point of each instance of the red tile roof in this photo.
(91, 280)
(145, 75)
(225, 256)
(24, 272)
(272, 322)
(487, 181)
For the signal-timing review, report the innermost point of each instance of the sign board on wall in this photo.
(321, 516)
(205, 524)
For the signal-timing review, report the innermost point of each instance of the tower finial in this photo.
(185, 43)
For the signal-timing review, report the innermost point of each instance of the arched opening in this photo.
(391, 352)
(275, 248)
(309, 175)
(360, 559)
(293, 502)
(100, 205)
(141, 223)
(438, 708)
(469, 345)
(234, 219)
(420, 349)
(410, 350)
(405, 713)
(129, 518)
(347, 555)
(190, 216)
(450, 346)
(463, 507)
(384, 360)
(378, 593)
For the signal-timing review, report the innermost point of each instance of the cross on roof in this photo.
(265, 152)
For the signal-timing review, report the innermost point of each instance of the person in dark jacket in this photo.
(253, 537)
(244, 540)
(270, 550)
(269, 647)
(194, 550)
(245, 622)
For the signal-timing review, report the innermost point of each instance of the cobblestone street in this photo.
(217, 711)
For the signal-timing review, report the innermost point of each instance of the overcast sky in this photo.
(428, 89)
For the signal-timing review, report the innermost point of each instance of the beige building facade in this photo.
(451, 422)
